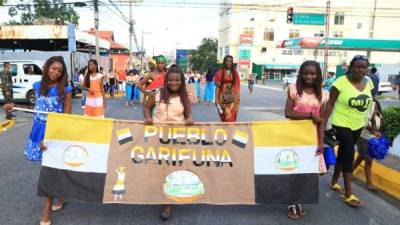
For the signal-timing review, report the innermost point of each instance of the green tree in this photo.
(205, 56)
(2, 2)
(44, 9)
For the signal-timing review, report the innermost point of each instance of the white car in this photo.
(385, 87)
(22, 81)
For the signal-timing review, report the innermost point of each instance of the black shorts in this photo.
(362, 147)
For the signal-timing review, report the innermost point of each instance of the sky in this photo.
(165, 24)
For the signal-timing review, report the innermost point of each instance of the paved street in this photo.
(20, 205)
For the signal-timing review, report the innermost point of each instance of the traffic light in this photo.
(289, 17)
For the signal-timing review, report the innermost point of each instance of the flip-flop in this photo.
(353, 201)
(56, 208)
(292, 212)
(45, 223)
(336, 187)
(300, 210)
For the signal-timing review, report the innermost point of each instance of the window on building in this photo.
(268, 34)
(226, 50)
(338, 34)
(339, 18)
(298, 52)
(248, 30)
(319, 34)
(293, 33)
(287, 52)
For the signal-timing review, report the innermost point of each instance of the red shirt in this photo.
(121, 75)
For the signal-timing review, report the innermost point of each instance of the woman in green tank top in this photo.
(350, 97)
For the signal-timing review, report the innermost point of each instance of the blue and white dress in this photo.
(49, 103)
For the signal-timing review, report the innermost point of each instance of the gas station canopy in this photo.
(342, 44)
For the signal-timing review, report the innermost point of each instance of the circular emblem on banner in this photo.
(287, 160)
(183, 186)
(75, 155)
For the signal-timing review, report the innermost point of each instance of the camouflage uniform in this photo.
(6, 86)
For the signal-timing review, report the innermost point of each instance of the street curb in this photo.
(4, 125)
(384, 178)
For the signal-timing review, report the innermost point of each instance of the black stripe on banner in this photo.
(125, 140)
(71, 185)
(238, 143)
(287, 189)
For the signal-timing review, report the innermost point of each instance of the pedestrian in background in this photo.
(328, 81)
(82, 72)
(6, 88)
(52, 94)
(199, 82)
(251, 81)
(306, 100)
(171, 104)
(375, 80)
(228, 90)
(112, 82)
(136, 90)
(129, 88)
(209, 89)
(372, 130)
(155, 80)
(121, 81)
(349, 99)
(95, 98)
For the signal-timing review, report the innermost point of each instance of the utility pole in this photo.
(96, 27)
(142, 54)
(327, 16)
(130, 34)
(371, 28)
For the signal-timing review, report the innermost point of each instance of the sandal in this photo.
(336, 187)
(292, 212)
(56, 208)
(300, 210)
(353, 201)
(45, 223)
(166, 212)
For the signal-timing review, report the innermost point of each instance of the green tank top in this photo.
(351, 106)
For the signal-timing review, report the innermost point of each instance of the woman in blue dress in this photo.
(52, 94)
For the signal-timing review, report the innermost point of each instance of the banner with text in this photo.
(115, 161)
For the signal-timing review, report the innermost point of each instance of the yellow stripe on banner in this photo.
(66, 127)
(284, 133)
(123, 131)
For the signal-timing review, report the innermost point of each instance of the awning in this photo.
(342, 44)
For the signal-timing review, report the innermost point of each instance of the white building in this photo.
(266, 22)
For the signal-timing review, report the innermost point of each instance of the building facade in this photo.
(252, 32)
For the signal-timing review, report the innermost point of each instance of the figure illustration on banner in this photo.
(119, 187)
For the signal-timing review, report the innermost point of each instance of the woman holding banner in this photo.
(171, 104)
(227, 92)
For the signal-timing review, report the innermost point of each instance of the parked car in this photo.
(385, 87)
(22, 79)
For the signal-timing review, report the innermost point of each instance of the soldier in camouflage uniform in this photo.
(6, 87)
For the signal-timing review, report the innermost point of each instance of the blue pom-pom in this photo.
(378, 148)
